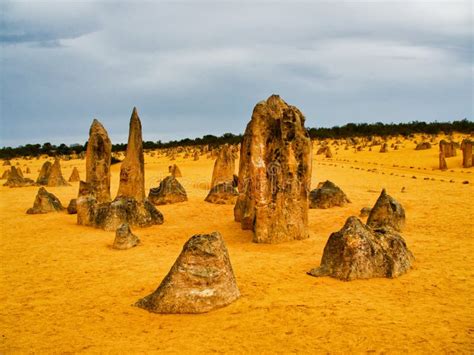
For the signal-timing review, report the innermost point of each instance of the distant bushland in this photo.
(338, 132)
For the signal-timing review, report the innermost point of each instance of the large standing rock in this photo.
(45, 202)
(360, 252)
(16, 180)
(387, 212)
(56, 176)
(44, 173)
(130, 206)
(274, 173)
(132, 170)
(169, 191)
(466, 147)
(124, 238)
(98, 159)
(448, 148)
(200, 280)
(327, 195)
(442, 161)
(74, 175)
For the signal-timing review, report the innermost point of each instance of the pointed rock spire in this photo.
(98, 157)
(132, 171)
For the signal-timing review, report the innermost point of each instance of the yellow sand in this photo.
(63, 289)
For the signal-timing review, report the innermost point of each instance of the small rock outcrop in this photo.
(174, 171)
(169, 191)
(365, 211)
(124, 238)
(72, 207)
(200, 280)
(423, 146)
(45, 202)
(43, 176)
(274, 173)
(360, 252)
(16, 180)
(223, 194)
(387, 212)
(327, 195)
(224, 167)
(74, 175)
(56, 176)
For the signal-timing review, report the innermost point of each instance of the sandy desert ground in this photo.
(63, 289)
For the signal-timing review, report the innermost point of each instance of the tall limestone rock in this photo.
(466, 147)
(274, 173)
(130, 206)
(43, 176)
(132, 170)
(98, 158)
(224, 167)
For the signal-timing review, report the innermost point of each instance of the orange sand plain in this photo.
(63, 289)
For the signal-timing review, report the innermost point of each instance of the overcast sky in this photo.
(195, 67)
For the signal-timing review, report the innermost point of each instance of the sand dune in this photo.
(63, 289)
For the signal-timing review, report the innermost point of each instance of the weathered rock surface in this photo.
(98, 160)
(5, 174)
(360, 252)
(387, 212)
(223, 194)
(43, 176)
(174, 171)
(169, 191)
(442, 161)
(365, 211)
(274, 173)
(130, 205)
(466, 147)
(200, 280)
(132, 170)
(124, 238)
(448, 148)
(224, 167)
(16, 180)
(74, 175)
(72, 207)
(327, 195)
(56, 176)
(45, 202)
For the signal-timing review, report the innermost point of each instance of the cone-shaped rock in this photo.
(200, 280)
(45, 202)
(169, 191)
(359, 252)
(387, 212)
(124, 238)
(72, 207)
(274, 173)
(223, 194)
(132, 170)
(98, 159)
(15, 180)
(327, 195)
(56, 176)
(5, 174)
(224, 167)
(74, 175)
(43, 176)
(174, 171)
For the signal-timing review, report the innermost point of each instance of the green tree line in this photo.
(347, 131)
